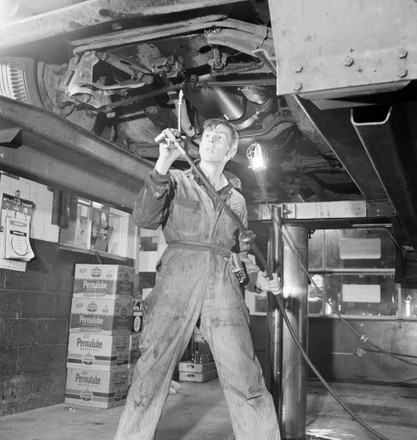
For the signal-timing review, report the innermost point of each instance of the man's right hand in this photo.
(168, 154)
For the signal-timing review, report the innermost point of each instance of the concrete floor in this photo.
(198, 412)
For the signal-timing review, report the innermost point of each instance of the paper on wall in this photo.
(16, 237)
(10, 264)
(15, 219)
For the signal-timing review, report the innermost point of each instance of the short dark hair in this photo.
(214, 122)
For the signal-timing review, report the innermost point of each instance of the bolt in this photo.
(152, 110)
(402, 52)
(297, 68)
(298, 86)
(116, 26)
(402, 72)
(348, 60)
(103, 56)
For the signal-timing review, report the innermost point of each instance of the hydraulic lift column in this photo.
(292, 397)
(286, 371)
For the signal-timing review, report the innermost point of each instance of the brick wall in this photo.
(34, 318)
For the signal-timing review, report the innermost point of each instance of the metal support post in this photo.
(293, 398)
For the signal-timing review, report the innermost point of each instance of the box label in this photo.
(101, 315)
(89, 387)
(102, 280)
(98, 351)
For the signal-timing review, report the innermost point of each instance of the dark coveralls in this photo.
(194, 279)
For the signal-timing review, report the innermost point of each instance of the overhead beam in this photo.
(329, 215)
(390, 147)
(336, 129)
(61, 154)
(53, 135)
(91, 13)
(30, 164)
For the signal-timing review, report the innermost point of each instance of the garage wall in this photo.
(34, 312)
(339, 355)
(34, 318)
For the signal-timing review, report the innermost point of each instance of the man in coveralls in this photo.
(195, 280)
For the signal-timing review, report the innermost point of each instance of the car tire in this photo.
(18, 80)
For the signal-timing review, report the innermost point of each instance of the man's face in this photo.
(215, 144)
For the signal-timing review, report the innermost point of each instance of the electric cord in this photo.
(363, 338)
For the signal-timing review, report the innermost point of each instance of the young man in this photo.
(195, 280)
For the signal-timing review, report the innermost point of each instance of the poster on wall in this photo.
(15, 219)
(101, 231)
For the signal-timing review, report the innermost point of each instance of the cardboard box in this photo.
(196, 368)
(134, 348)
(102, 280)
(107, 316)
(198, 377)
(96, 388)
(98, 351)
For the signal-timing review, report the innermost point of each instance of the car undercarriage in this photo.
(331, 99)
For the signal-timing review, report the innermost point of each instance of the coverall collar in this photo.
(232, 182)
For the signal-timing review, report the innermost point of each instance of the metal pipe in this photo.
(183, 121)
(274, 322)
(293, 399)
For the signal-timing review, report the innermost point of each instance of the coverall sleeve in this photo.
(151, 205)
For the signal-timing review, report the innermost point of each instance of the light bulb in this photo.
(258, 156)
(258, 159)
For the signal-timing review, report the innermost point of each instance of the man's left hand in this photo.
(265, 284)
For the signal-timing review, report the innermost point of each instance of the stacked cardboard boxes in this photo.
(100, 335)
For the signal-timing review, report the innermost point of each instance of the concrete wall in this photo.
(34, 317)
(339, 355)
(34, 313)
